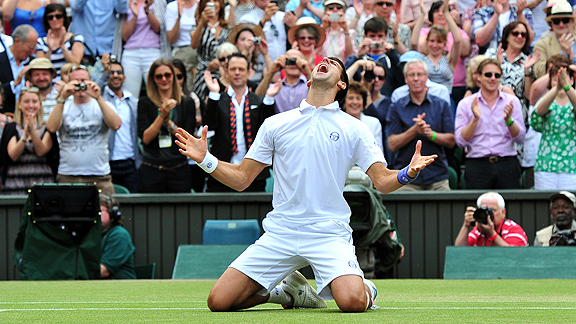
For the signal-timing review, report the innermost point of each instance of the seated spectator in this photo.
(117, 250)
(294, 83)
(145, 40)
(496, 231)
(561, 20)
(488, 22)
(250, 41)
(82, 123)
(488, 124)
(160, 113)
(399, 34)
(28, 143)
(562, 213)
(306, 9)
(65, 72)
(554, 117)
(354, 104)
(180, 22)
(212, 30)
(339, 39)
(306, 37)
(267, 14)
(26, 12)
(59, 45)
(421, 116)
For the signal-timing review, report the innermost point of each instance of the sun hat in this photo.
(303, 22)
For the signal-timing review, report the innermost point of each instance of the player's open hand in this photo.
(419, 162)
(194, 148)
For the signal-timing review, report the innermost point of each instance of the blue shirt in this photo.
(293, 4)
(434, 89)
(15, 71)
(96, 21)
(439, 117)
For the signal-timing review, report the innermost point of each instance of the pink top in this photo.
(460, 70)
(143, 35)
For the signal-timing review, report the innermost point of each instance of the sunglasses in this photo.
(29, 89)
(303, 38)
(335, 6)
(387, 4)
(379, 77)
(222, 59)
(556, 21)
(496, 75)
(517, 33)
(56, 16)
(166, 75)
(111, 73)
(179, 76)
(78, 67)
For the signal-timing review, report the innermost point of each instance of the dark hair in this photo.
(486, 62)
(151, 87)
(113, 207)
(50, 9)
(380, 64)
(310, 30)
(341, 94)
(508, 29)
(357, 87)
(375, 24)
(221, 18)
(180, 66)
(558, 61)
(435, 6)
(240, 55)
(240, 32)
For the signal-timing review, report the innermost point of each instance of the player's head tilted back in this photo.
(329, 72)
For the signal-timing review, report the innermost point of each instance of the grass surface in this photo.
(400, 301)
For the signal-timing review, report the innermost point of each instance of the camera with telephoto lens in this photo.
(257, 40)
(563, 238)
(81, 86)
(481, 214)
(290, 61)
(113, 58)
(369, 75)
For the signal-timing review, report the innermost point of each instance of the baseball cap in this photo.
(565, 194)
(409, 56)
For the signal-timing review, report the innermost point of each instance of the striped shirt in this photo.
(442, 73)
(57, 57)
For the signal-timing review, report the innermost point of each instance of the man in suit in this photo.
(235, 114)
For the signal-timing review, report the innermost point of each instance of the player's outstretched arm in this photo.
(386, 180)
(237, 177)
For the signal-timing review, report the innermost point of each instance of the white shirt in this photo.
(187, 22)
(273, 30)
(312, 150)
(123, 149)
(375, 127)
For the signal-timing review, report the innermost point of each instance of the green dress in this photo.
(557, 152)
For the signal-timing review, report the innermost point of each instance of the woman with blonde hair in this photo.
(28, 142)
(160, 113)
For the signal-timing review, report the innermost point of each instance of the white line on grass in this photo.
(104, 302)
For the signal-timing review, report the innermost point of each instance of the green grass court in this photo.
(400, 301)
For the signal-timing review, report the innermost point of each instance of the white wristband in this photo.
(209, 163)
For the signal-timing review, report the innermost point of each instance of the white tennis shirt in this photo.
(311, 151)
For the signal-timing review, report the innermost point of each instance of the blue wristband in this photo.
(404, 178)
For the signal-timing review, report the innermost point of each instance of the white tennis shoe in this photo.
(373, 291)
(303, 294)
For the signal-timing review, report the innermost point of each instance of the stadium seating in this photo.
(204, 261)
(236, 231)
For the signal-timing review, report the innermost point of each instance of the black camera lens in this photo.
(290, 61)
(81, 86)
(369, 75)
(481, 214)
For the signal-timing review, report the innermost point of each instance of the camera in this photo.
(274, 2)
(563, 238)
(211, 5)
(113, 58)
(257, 40)
(290, 61)
(369, 75)
(81, 86)
(334, 17)
(481, 214)
(375, 44)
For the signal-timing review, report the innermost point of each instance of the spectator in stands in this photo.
(399, 34)
(354, 104)
(5, 40)
(212, 30)
(441, 65)
(28, 143)
(339, 39)
(555, 118)
(421, 116)
(41, 74)
(294, 83)
(244, 36)
(117, 260)
(96, 21)
(165, 108)
(561, 20)
(410, 11)
(489, 22)
(306, 37)
(488, 123)
(82, 123)
(233, 136)
(12, 64)
(145, 40)
(59, 45)
(307, 9)
(473, 77)
(125, 156)
(497, 231)
(357, 15)
(267, 14)
(29, 12)
(65, 72)
(562, 206)
(374, 47)
(180, 22)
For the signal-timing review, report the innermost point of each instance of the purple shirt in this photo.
(491, 136)
(143, 35)
(289, 96)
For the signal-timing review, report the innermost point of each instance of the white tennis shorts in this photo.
(327, 247)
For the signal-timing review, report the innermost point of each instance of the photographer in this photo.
(82, 124)
(492, 228)
(562, 213)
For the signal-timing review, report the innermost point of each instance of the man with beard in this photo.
(562, 213)
(40, 75)
(125, 155)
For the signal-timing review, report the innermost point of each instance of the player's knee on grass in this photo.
(352, 303)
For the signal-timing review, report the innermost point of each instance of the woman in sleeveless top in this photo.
(30, 12)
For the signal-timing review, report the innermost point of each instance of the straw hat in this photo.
(303, 22)
(255, 29)
(41, 63)
(560, 9)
